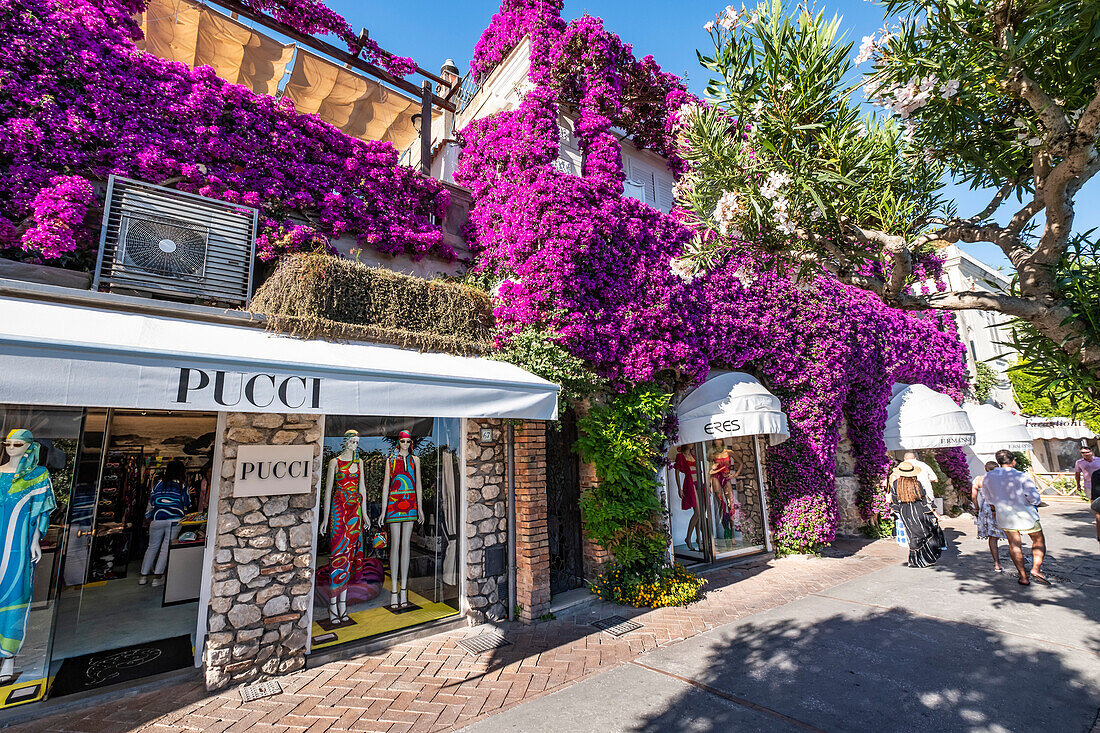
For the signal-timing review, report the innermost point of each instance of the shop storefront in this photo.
(715, 485)
(208, 494)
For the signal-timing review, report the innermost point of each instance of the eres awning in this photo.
(81, 356)
(728, 405)
(919, 418)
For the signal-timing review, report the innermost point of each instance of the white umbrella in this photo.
(995, 429)
(919, 418)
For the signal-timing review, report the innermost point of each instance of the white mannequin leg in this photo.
(395, 560)
(7, 669)
(406, 554)
(333, 610)
(342, 604)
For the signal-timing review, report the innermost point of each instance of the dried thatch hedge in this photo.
(320, 296)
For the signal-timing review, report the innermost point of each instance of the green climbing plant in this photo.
(622, 438)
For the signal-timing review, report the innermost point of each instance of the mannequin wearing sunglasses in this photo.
(347, 497)
(26, 501)
(402, 501)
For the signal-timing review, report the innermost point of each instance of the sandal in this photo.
(1041, 579)
(1023, 582)
(998, 570)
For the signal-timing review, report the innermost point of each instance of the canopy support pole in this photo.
(763, 493)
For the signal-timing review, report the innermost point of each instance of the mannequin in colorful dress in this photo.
(684, 464)
(347, 497)
(26, 500)
(402, 501)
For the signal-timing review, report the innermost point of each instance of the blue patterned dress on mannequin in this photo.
(26, 500)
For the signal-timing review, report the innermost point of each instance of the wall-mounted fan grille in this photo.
(167, 246)
(165, 243)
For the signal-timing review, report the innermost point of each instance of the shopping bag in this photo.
(899, 532)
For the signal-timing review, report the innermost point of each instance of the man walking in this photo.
(1015, 497)
(1084, 468)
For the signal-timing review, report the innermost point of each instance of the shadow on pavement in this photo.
(870, 670)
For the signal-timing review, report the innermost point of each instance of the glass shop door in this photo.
(687, 508)
(128, 588)
(733, 497)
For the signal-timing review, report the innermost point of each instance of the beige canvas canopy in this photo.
(183, 31)
(192, 34)
(359, 106)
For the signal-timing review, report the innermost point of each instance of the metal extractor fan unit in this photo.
(171, 244)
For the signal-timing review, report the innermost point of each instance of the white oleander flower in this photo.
(728, 210)
(775, 181)
(866, 49)
(682, 269)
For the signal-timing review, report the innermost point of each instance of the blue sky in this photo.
(431, 31)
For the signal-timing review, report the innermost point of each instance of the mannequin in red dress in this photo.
(684, 464)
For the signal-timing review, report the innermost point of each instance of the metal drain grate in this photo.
(482, 643)
(617, 625)
(260, 689)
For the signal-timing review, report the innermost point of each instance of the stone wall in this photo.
(262, 578)
(486, 521)
(847, 486)
(532, 539)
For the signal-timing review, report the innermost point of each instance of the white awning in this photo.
(729, 405)
(996, 429)
(919, 418)
(66, 355)
(1060, 432)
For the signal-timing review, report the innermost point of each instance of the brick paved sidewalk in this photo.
(432, 684)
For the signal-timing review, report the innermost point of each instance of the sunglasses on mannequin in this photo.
(14, 443)
(404, 440)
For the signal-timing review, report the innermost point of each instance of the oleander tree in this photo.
(1001, 95)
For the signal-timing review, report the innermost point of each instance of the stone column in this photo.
(532, 540)
(486, 522)
(262, 581)
(847, 486)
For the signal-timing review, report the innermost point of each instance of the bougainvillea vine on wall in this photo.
(593, 268)
(77, 99)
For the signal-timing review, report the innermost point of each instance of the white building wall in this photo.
(982, 332)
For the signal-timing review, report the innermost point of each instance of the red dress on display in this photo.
(686, 466)
(346, 538)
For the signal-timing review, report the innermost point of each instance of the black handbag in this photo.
(937, 536)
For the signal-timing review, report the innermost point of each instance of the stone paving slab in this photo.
(432, 684)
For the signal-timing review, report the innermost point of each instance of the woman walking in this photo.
(984, 518)
(908, 500)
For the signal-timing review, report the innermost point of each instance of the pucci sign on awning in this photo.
(729, 405)
(65, 355)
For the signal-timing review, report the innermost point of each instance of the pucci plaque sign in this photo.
(271, 470)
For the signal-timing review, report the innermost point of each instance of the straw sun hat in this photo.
(908, 469)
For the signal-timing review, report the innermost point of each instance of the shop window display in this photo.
(36, 473)
(733, 495)
(388, 540)
(714, 499)
(685, 502)
(85, 483)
